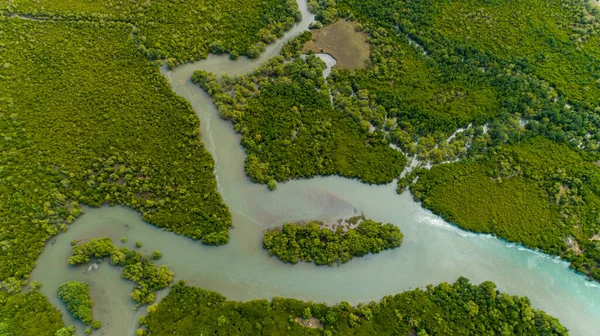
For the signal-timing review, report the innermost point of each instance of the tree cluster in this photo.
(290, 129)
(311, 242)
(76, 295)
(140, 269)
(447, 309)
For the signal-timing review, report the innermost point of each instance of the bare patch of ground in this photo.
(341, 40)
(573, 245)
(344, 223)
(561, 192)
(312, 322)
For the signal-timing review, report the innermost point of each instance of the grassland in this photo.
(343, 42)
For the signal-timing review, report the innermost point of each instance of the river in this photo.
(433, 250)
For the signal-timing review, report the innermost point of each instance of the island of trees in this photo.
(311, 242)
(76, 295)
(140, 269)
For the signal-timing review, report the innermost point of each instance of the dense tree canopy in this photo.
(447, 309)
(76, 295)
(181, 31)
(538, 193)
(86, 119)
(290, 129)
(27, 314)
(440, 65)
(312, 242)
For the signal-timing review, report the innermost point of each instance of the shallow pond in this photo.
(433, 251)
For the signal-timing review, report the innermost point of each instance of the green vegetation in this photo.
(137, 268)
(96, 325)
(181, 31)
(156, 255)
(27, 314)
(440, 65)
(311, 242)
(539, 193)
(558, 39)
(290, 129)
(86, 119)
(76, 295)
(448, 309)
(188, 30)
(100, 9)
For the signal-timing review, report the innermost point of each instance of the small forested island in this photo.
(76, 295)
(447, 309)
(312, 242)
(140, 269)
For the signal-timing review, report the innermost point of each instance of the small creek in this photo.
(433, 251)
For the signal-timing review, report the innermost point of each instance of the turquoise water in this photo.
(433, 251)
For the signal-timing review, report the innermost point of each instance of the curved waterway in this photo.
(433, 251)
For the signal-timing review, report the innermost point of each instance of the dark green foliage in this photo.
(86, 119)
(97, 9)
(30, 314)
(137, 268)
(448, 309)
(538, 193)
(438, 65)
(189, 30)
(182, 30)
(311, 242)
(96, 325)
(290, 129)
(76, 295)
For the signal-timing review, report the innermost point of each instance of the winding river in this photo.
(433, 251)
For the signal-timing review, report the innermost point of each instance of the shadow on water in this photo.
(433, 250)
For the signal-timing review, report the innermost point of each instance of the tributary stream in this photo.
(433, 250)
